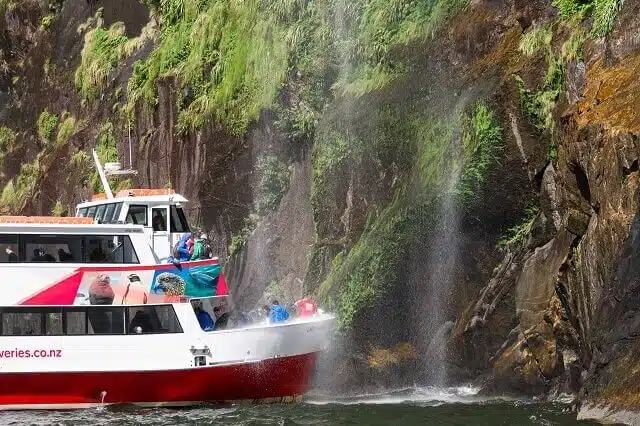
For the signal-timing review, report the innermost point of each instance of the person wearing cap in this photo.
(201, 249)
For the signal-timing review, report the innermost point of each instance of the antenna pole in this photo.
(103, 177)
(130, 155)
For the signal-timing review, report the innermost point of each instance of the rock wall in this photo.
(356, 205)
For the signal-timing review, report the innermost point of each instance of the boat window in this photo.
(159, 219)
(100, 212)
(108, 213)
(75, 321)
(116, 213)
(53, 324)
(51, 248)
(23, 322)
(152, 320)
(105, 320)
(109, 249)
(91, 211)
(90, 320)
(82, 212)
(137, 215)
(8, 248)
(178, 220)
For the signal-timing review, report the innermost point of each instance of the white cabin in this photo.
(159, 212)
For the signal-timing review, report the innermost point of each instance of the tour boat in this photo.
(93, 314)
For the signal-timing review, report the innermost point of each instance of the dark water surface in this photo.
(421, 406)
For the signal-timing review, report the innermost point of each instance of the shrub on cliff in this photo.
(482, 145)
(46, 124)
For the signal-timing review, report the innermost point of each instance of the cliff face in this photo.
(450, 174)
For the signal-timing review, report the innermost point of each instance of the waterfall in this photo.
(442, 255)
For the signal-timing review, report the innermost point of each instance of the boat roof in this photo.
(142, 196)
(62, 225)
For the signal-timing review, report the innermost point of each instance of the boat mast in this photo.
(103, 177)
(113, 169)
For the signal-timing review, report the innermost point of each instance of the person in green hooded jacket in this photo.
(201, 249)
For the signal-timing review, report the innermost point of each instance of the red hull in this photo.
(278, 377)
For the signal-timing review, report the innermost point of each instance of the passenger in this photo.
(49, 258)
(190, 243)
(142, 320)
(201, 248)
(182, 250)
(11, 255)
(278, 313)
(222, 317)
(38, 255)
(306, 306)
(159, 224)
(205, 320)
(97, 256)
(63, 256)
(264, 313)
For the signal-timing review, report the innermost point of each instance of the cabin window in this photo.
(75, 321)
(137, 215)
(90, 320)
(110, 249)
(108, 213)
(159, 219)
(105, 320)
(67, 248)
(100, 212)
(82, 212)
(116, 213)
(178, 220)
(26, 322)
(91, 211)
(52, 320)
(8, 248)
(151, 319)
(52, 248)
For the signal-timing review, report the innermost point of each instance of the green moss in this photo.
(380, 28)
(568, 8)
(59, 209)
(538, 106)
(330, 155)
(516, 236)
(274, 182)
(239, 240)
(7, 5)
(66, 130)
(421, 149)
(17, 191)
(536, 39)
(46, 124)
(230, 59)
(482, 147)
(7, 144)
(604, 15)
(103, 50)
(46, 21)
(7, 140)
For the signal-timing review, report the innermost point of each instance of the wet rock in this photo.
(575, 80)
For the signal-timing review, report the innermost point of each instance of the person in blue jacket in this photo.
(204, 319)
(181, 251)
(278, 313)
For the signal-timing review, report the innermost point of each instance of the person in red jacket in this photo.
(306, 307)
